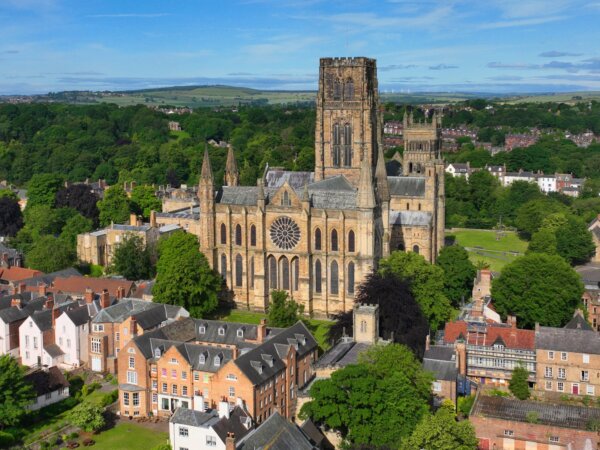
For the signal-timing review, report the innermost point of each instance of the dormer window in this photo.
(202, 359)
(157, 352)
(217, 361)
(222, 331)
(201, 329)
(240, 333)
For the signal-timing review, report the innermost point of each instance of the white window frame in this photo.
(132, 377)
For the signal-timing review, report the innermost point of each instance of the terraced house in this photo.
(197, 364)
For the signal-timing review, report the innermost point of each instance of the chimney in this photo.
(120, 292)
(133, 220)
(511, 321)
(105, 299)
(235, 352)
(5, 260)
(55, 313)
(88, 296)
(49, 303)
(230, 441)
(427, 342)
(21, 288)
(16, 303)
(262, 330)
(537, 327)
(153, 219)
(41, 289)
(133, 326)
(461, 358)
(223, 409)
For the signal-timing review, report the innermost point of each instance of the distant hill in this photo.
(222, 95)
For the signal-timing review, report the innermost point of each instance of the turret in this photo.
(231, 169)
(206, 197)
(366, 196)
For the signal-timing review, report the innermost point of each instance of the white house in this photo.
(547, 183)
(459, 169)
(510, 177)
(50, 386)
(36, 338)
(199, 430)
(71, 335)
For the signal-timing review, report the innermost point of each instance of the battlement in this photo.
(344, 61)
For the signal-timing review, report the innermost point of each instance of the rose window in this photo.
(285, 233)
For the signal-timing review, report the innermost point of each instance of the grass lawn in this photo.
(318, 328)
(483, 245)
(130, 436)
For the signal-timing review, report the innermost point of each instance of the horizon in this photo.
(460, 46)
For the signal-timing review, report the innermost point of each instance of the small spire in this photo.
(305, 196)
(260, 197)
(366, 196)
(231, 169)
(206, 173)
(381, 177)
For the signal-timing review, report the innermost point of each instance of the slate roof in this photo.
(184, 213)
(11, 252)
(440, 360)
(264, 361)
(45, 382)
(43, 319)
(590, 274)
(234, 424)
(13, 314)
(275, 178)
(578, 322)
(313, 433)
(229, 330)
(343, 353)
(440, 352)
(237, 195)
(553, 414)
(53, 350)
(124, 309)
(407, 186)
(568, 340)
(193, 418)
(191, 352)
(332, 199)
(410, 218)
(275, 433)
(337, 183)
(79, 316)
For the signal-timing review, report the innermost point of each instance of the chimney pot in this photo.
(89, 295)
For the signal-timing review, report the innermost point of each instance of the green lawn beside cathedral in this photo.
(490, 247)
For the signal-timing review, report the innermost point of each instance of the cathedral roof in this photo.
(238, 195)
(276, 178)
(407, 186)
(410, 218)
(339, 183)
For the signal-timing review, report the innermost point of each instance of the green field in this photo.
(484, 245)
(318, 328)
(130, 436)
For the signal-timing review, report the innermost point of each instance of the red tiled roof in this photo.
(18, 273)
(512, 337)
(78, 285)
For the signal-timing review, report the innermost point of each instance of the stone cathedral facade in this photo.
(318, 234)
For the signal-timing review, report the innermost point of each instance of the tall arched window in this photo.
(347, 145)
(318, 239)
(349, 89)
(318, 276)
(253, 236)
(251, 272)
(337, 141)
(337, 89)
(285, 199)
(285, 273)
(295, 273)
(351, 244)
(272, 265)
(334, 241)
(350, 278)
(334, 278)
(416, 248)
(239, 270)
(224, 266)
(238, 234)
(223, 234)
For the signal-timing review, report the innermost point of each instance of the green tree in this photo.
(144, 200)
(459, 273)
(87, 416)
(184, 276)
(574, 242)
(11, 217)
(50, 254)
(283, 311)
(378, 401)
(75, 225)
(538, 288)
(543, 241)
(519, 384)
(132, 259)
(7, 193)
(114, 207)
(531, 214)
(426, 284)
(42, 189)
(15, 393)
(441, 431)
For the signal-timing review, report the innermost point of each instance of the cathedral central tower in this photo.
(348, 125)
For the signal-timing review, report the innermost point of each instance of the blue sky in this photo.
(426, 45)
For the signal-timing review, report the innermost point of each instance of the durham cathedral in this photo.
(318, 234)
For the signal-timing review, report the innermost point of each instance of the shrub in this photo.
(109, 398)
(6, 439)
(593, 425)
(465, 404)
(532, 417)
(499, 393)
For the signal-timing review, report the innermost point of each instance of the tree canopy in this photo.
(87, 416)
(144, 200)
(50, 254)
(42, 189)
(459, 273)
(378, 401)
(132, 259)
(184, 277)
(519, 384)
(81, 198)
(11, 217)
(538, 288)
(283, 311)
(426, 284)
(114, 207)
(400, 317)
(15, 393)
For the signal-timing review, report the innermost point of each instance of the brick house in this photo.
(568, 359)
(508, 423)
(441, 361)
(488, 352)
(115, 325)
(198, 363)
